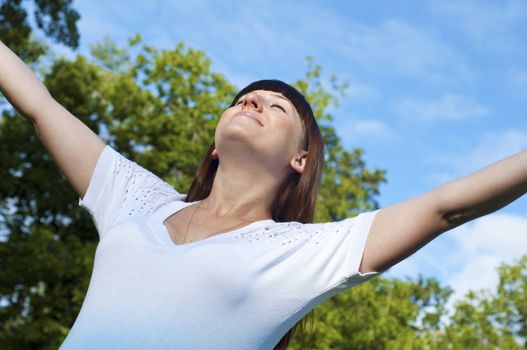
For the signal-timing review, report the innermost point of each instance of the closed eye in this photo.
(282, 108)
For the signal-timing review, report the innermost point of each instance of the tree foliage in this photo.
(56, 18)
(492, 319)
(348, 186)
(412, 314)
(160, 108)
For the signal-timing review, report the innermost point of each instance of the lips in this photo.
(249, 115)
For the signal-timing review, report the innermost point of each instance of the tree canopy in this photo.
(159, 108)
(56, 18)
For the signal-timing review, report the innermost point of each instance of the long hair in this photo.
(295, 199)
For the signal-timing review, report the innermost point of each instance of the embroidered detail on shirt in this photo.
(294, 232)
(144, 191)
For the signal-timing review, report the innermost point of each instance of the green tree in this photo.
(395, 314)
(56, 18)
(492, 319)
(348, 186)
(158, 108)
(381, 314)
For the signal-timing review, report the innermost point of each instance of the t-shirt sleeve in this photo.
(334, 252)
(120, 188)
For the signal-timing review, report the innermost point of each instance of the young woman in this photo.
(235, 262)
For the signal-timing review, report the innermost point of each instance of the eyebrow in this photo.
(280, 96)
(275, 94)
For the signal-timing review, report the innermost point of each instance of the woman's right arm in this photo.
(74, 147)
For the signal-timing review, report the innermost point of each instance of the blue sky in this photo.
(438, 89)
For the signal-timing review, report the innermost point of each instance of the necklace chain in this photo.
(192, 217)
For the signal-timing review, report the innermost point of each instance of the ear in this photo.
(299, 161)
(214, 154)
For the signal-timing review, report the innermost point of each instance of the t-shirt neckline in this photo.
(156, 219)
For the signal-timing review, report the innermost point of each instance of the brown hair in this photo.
(295, 199)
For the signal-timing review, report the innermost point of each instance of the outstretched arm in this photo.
(401, 229)
(74, 147)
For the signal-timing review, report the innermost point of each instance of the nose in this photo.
(252, 100)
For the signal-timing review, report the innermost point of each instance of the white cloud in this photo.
(467, 257)
(263, 33)
(406, 268)
(361, 91)
(484, 244)
(495, 146)
(492, 147)
(258, 35)
(489, 25)
(428, 261)
(394, 47)
(360, 128)
(447, 107)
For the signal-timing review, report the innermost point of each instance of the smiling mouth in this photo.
(243, 114)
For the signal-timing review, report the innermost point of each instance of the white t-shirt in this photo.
(242, 289)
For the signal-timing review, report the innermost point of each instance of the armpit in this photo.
(459, 217)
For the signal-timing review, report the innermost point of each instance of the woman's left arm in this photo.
(401, 229)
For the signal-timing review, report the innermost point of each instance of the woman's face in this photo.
(263, 126)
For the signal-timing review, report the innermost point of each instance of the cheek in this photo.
(222, 117)
(286, 137)
(292, 130)
(221, 121)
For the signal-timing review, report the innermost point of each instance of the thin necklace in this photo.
(190, 222)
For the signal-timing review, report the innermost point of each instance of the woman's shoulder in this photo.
(316, 226)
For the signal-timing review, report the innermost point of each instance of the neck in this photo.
(245, 192)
